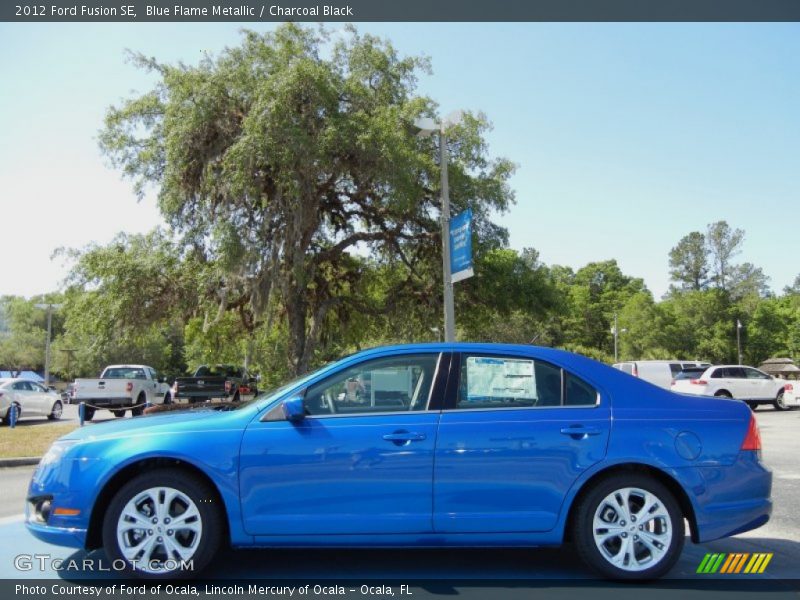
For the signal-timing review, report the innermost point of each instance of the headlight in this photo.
(56, 451)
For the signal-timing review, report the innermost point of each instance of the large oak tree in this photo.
(282, 161)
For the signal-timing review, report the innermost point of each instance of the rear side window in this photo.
(124, 373)
(511, 382)
(578, 392)
(693, 373)
(675, 368)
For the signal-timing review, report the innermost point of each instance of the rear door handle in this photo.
(579, 431)
(401, 438)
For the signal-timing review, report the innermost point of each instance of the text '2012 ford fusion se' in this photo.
(463, 445)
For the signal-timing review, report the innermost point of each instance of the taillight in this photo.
(635, 371)
(672, 382)
(752, 441)
(227, 387)
(175, 388)
(788, 387)
(129, 386)
(698, 382)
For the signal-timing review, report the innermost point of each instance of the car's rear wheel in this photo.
(88, 413)
(163, 524)
(56, 411)
(780, 403)
(139, 410)
(723, 394)
(118, 413)
(629, 527)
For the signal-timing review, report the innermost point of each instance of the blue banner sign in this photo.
(461, 246)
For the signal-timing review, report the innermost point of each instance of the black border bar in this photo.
(97, 11)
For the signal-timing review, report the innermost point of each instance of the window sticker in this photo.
(489, 378)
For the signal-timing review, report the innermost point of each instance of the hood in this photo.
(176, 421)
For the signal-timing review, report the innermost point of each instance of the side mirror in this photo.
(294, 409)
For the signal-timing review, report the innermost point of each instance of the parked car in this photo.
(451, 445)
(67, 393)
(213, 381)
(29, 398)
(735, 381)
(658, 372)
(791, 393)
(122, 387)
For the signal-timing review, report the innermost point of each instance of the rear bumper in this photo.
(105, 402)
(733, 499)
(204, 395)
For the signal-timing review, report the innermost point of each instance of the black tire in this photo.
(167, 398)
(205, 545)
(88, 413)
(670, 531)
(779, 404)
(139, 410)
(118, 413)
(56, 411)
(723, 394)
(753, 406)
(236, 396)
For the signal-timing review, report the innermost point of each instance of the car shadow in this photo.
(470, 568)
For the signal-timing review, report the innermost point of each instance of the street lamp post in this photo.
(616, 331)
(739, 339)
(49, 307)
(425, 127)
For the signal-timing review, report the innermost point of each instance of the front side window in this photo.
(506, 382)
(395, 384)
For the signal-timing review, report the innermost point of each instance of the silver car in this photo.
(30, 398)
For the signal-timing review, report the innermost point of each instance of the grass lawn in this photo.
(30, 440)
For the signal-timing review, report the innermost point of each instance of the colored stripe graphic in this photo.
(734, 563)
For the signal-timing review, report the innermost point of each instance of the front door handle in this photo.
(580, 432)
(403, 438)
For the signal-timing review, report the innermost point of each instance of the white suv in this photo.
(735, 381)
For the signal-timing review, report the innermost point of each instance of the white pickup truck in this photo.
(121, 387)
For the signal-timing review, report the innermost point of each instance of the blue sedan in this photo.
(415, 446)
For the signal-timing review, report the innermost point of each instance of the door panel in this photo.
(509, 469)
(339, 475)
(360, 463)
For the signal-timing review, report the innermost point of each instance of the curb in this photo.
(22, 461)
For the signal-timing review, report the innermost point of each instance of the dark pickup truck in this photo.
(213, 381)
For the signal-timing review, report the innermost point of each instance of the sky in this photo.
(626, 137)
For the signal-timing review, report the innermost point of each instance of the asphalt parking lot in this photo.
(781, 536)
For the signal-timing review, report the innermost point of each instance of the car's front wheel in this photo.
(56, 411)
(163, 524)
(780, 403)
(629, 527)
